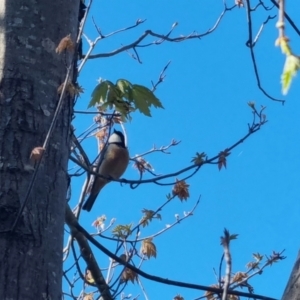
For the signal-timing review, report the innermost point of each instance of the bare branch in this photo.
(187, 215)
(250, 45)
(161, 78)
(178, 220)
(162, 149)
(227, 255)
(87, 255)
(100, 37)
(288, 18)
(162, 38)
(259, 270)
(261, 29)
(163, 280)
(214, 160)
(264, 6)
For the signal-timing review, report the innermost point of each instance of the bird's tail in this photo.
(90, 202)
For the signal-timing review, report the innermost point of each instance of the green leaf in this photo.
(291, 66)
(114, 94)
(140, 103)
(143, 98)
(123, 107)
(285, 47)
(125, 97)
(99, 94)
(122, 231)
(105, 105)
(125, 87)
(147, 95)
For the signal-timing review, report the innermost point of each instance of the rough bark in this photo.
(292, 289)
(30, 73)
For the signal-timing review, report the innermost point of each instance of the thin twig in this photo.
(258, 272)
(163, 280)
(87, 255)
(281, 27)
(187, 215)
(288, 18)
(45, 145)
(142, 288)
(100, 37)
(161, 149)
(227, 256)
(250, 45)
(220, 271)
(156, 180)
(161, 77)
(264, 6)
(261, 29)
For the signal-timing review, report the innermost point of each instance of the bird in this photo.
(113, 162)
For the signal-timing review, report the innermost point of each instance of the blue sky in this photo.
(205, 95)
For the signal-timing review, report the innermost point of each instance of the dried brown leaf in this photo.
(65, 43)
(71, 89)
(101, 134)
(232, 297)
(252, 265)
(89, 296)
(142, 165)
(210, 295)
(257, 256)
(128, 275)
(99, 221)
(178, 297)
(222, 158)
(181, 190)
(239, 3)
(239, 276)
(149, 215)
(36, 154)
(148, 248)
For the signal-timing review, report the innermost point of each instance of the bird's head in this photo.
(117, 137)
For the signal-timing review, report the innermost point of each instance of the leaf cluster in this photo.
(291, 65)
(149, 215)
(124, 97)
(122, 231)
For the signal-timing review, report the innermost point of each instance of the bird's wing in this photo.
(115, 162)
(96, 169)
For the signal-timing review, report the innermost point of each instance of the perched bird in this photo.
(113, 161)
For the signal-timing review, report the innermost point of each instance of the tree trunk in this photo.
(30, 73)
(293, 286)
